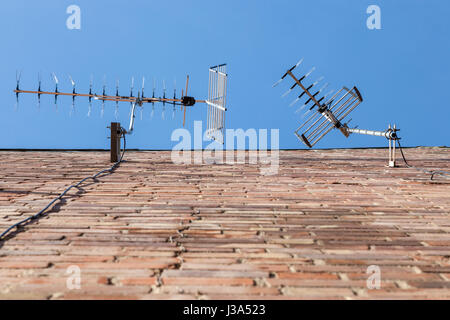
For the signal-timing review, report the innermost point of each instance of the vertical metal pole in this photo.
(393, 148)
(391, 151)
(115, 141)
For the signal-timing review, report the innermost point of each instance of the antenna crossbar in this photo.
(181, 101)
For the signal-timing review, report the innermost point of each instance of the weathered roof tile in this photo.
(156, 230)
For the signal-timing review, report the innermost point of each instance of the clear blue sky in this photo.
(401, 70)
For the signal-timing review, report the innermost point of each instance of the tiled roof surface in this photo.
(156, 230)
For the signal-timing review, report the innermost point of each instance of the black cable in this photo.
(76, 185)
(431, 172)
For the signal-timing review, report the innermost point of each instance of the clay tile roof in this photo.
(156, 230)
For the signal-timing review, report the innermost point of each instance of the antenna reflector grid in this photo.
(216, 103)
(329, 116)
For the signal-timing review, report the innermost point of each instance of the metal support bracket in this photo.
(390, 134)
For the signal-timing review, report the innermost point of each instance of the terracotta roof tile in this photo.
(156, 230)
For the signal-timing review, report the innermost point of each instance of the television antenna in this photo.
(216, 102)
(330, 111)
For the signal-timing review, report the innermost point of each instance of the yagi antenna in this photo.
(330, 112)
(216, 101)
